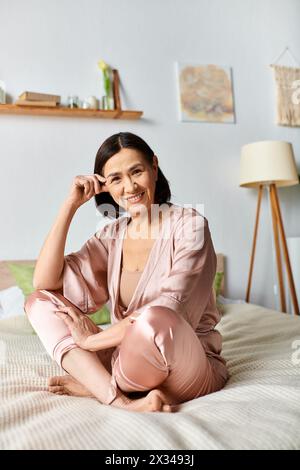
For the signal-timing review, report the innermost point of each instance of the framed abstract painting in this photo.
(205, 93)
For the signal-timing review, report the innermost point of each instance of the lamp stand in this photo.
(278, 229)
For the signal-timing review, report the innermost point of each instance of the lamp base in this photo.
(278, 232)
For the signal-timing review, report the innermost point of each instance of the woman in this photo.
(156, 265)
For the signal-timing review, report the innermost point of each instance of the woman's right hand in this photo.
(84, 187)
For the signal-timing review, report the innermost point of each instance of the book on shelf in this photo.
(33, 96)
(45, 104)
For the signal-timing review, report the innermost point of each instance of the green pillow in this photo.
(217, 288)
(23, 275)
(218, 282)
(101, 317)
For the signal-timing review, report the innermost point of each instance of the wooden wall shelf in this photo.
(69, 112)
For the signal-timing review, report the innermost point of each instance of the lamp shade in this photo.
(267, 162)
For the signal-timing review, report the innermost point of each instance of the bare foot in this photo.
(67, 385)
(155, 400)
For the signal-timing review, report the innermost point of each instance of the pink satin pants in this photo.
(159, 350)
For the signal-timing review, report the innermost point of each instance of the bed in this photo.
(257, 409)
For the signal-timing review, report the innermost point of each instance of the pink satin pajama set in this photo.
(172, 342)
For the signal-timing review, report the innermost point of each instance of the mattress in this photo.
(257, 409)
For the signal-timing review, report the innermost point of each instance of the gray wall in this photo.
(54, 46)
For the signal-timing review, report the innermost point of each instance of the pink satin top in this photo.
(128, 282)
(179, 274)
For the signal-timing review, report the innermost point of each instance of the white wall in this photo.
(54, 46)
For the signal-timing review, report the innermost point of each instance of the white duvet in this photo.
(258, 408)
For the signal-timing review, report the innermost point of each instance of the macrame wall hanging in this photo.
(287, 80)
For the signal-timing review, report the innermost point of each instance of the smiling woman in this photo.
(131, 169)
(162, 341)
(134, 183)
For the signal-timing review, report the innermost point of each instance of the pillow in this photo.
(11, 302)
(218, 282)
(217, 287)
(101, 317)
(23, 275)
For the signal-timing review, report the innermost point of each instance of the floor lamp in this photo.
(271, 164)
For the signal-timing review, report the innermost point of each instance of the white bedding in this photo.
(258, 408)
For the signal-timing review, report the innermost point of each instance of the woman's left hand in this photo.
(80, 325)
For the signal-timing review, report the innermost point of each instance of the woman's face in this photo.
(128, 174)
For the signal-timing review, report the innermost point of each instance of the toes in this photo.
(164, 402)
(56, 380)
(156, 401)
(163, 397)
(57, 389)
(170, 408)
(50, 381)
(166, 408)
